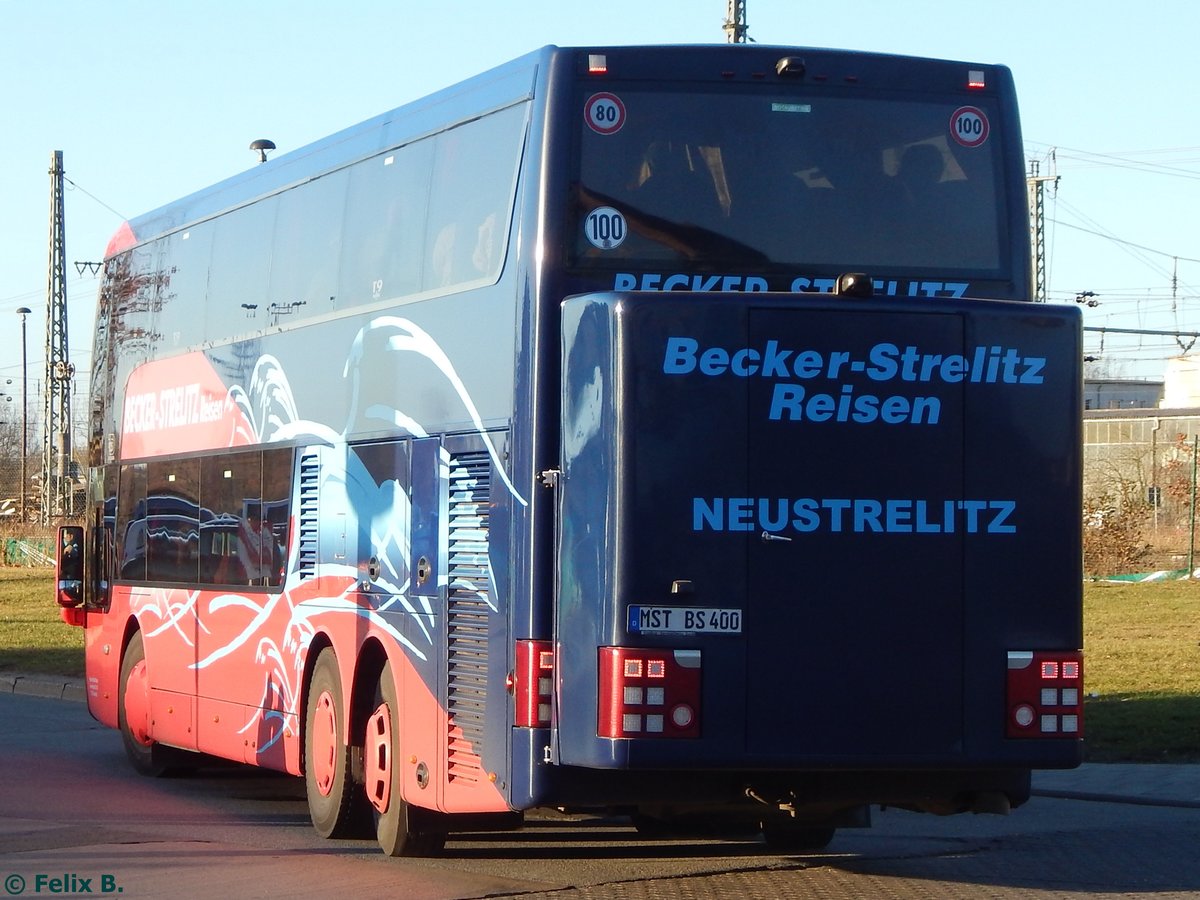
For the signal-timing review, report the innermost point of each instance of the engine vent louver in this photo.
(309, 517)
(467, 611)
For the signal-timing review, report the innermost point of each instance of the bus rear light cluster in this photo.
(649, 693)
(532, 684)
(1045, 694)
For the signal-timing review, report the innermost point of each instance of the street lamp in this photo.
(23, 312)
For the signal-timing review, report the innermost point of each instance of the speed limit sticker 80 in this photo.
(605, 113)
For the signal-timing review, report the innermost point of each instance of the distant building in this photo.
(1182, 385)
(1123, 393)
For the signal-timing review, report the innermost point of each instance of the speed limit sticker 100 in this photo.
(969, 126)
(605, 113)
(605, 228)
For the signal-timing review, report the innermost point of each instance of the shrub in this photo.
(1113, 536)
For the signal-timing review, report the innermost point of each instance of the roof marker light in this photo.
(597, 64)
(975, 80)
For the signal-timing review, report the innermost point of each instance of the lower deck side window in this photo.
(220, 520)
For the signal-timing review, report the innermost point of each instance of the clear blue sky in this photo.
(152, 100)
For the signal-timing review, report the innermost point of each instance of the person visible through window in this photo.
(256, 547)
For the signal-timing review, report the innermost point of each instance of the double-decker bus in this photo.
(665, 430)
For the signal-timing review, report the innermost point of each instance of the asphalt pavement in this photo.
(1150, 784)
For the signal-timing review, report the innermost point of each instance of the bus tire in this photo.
(401, 828)
(788, 837)
(334, 805)
(133, 715)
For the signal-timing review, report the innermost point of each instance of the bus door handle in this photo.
(769, 538)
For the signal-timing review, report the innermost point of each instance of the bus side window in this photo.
(231, 482)
(247, 507)
(382, 240)
(97, 595)
(131, 523)
(277, 466)
(470, 199)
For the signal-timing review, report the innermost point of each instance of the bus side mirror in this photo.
(68, 566)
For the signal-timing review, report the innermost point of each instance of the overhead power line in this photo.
(1117, 240)
(1127, 160)
(122, 217)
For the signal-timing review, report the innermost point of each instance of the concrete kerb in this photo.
(54, 687)
(1148, 784)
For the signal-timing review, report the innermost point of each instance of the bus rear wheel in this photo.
(401, 828)
(334, 805)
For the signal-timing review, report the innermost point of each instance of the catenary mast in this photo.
(56, 446)
(735, 22)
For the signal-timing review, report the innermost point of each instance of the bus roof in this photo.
(490, 90)
(513, 82)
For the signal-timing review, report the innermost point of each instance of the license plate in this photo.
(683, 620)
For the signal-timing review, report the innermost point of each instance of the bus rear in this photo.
(831, 536)
(756, 318)
(818, 487)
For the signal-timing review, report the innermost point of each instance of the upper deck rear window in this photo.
(800, 179)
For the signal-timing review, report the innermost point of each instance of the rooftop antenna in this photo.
(262, 146)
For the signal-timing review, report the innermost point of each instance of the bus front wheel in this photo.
(133, 713)
(401, 828)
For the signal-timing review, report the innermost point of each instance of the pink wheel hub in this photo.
(378, 758)
(324, 743)
(137, 704)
